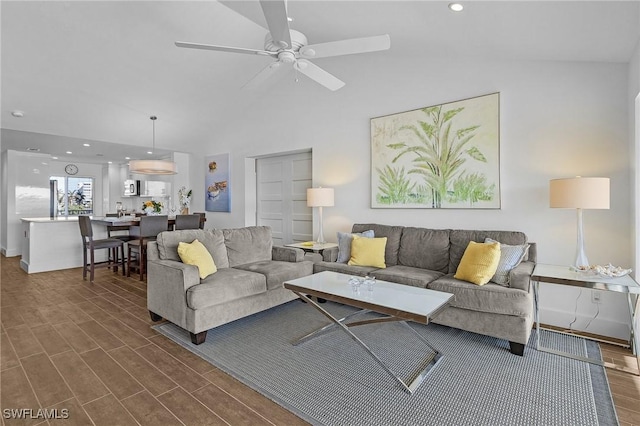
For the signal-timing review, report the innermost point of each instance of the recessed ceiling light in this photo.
(456, 7)
(127, 158)
(54, 158)
(17, 114)
(110, 162)
(69, 152)
(149, 152)
(86, 144)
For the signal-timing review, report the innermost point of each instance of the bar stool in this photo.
(90, 245)
(150, 227)
(187, 221)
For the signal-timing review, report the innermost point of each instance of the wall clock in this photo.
(71, 169)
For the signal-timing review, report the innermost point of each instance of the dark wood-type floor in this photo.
(88, 348)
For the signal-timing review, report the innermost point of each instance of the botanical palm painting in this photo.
(442, 156)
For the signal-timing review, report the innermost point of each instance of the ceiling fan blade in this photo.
(266, 73)
(275, 12)
(346, 47)
(316, 73)
(225, 49)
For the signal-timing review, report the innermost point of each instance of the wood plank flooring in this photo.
(89, 349)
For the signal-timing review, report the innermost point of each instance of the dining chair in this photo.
(202, 218)
(115, 250)
(187, 221)
(118, 232)
(150, 227)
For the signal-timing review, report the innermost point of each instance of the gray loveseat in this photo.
(429, 258)
(248, 280)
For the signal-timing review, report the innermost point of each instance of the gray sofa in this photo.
(429, 258)
(248, 280)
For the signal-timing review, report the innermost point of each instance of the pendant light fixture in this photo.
(153, 167)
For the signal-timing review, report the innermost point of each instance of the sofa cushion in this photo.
(393, 234)
(479, 262)
(360, 271)
(344, 244)
(407, 275)
(425, 248)
(459, 240)
(368, 251)
(510, 257)
(248, 245)
(224, 286)
(197, 254)
(212, 239)
(491, 298)
(278, 272)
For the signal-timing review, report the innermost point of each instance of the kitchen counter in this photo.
(51, 244)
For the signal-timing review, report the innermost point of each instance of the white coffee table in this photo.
(398, 302)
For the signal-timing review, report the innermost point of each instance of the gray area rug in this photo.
(331, 380)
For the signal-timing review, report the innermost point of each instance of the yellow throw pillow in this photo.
(479, 262)
(196, 253)
(368, 251)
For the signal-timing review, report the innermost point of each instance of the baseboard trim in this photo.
(591, 336)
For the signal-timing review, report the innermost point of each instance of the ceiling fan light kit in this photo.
(288, 46)
(153, 167)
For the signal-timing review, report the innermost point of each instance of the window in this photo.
(74, 195)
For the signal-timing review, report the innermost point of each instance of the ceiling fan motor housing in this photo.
(297, 41)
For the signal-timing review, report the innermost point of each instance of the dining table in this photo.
(129, 220)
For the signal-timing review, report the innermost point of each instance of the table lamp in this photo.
(320, 197)
(579, 193)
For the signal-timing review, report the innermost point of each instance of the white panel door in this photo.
(282, 183)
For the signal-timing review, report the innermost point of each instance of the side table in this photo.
(563, 275)
(316, 248)
(312, 248)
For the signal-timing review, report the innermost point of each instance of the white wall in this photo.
(558, 119)
(27, 189)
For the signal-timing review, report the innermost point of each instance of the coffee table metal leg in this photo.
(410, 388)
(329, 327)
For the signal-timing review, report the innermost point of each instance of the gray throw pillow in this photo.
(344, 244)
(510, 257)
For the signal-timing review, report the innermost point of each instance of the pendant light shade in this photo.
(153, 167)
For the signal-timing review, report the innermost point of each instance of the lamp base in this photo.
(581, 256)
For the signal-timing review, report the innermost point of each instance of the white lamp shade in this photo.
(320, 197)
(152, 167)
(579, 193)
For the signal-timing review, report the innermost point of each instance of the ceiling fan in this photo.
(288, 46)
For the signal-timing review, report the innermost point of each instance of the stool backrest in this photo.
(86, 231)
(151, 226)
(187, 221)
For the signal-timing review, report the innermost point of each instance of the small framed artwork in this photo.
(443, 156)
(217, 184)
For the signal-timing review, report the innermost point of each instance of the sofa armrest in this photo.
(163, 273)
(520, 276)
(330, 254)
(287, 254)
(167, 284)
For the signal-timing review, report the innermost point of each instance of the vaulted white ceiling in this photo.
(87, 70)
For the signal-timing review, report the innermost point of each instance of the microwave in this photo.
(131, 187)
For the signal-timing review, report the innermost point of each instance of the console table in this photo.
(564, 275)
